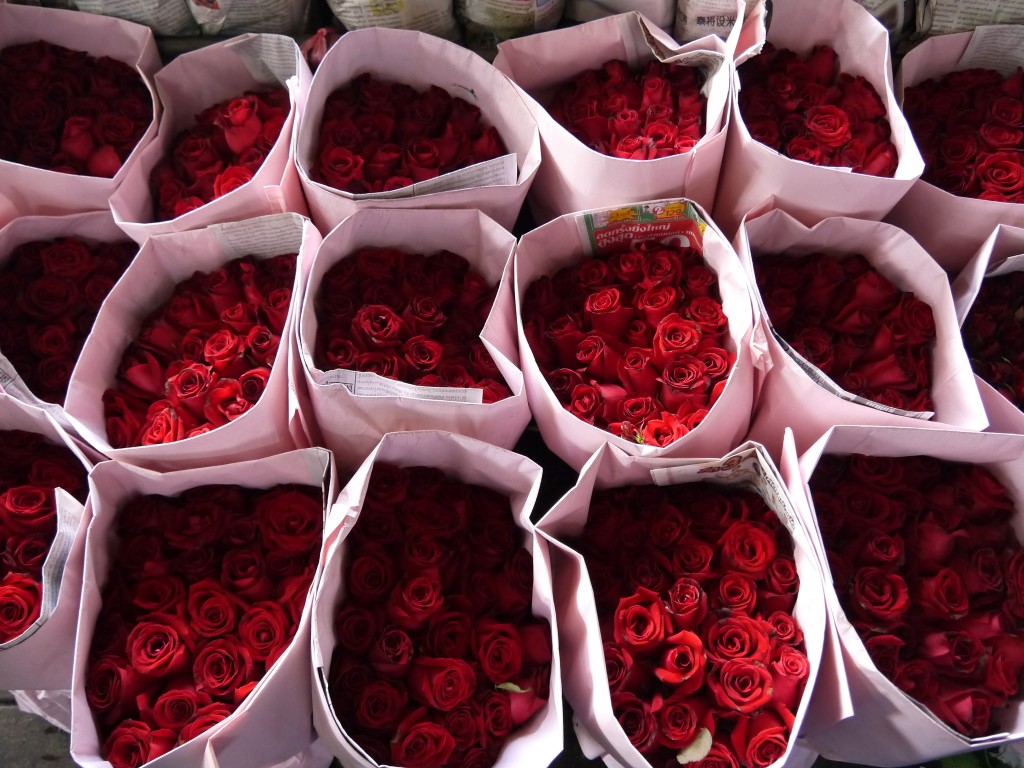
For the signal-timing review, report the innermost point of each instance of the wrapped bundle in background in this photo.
(796, 394)
(752, 172)
(250, 63)
(42, 528)
(575, 177)
(953, 227)
(497, 188)
(33, 191)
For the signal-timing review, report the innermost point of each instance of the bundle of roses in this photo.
(379, 136)
(969, 126)
(816, 104)
(410, 317)
(53, 290)
(691, 612)
(695, 587)
(635, 343)
(68, 111)
(204, 357)
(809, 110)
(219, 153)
(927, 568)
(413, 130)
(617, 89)
(868, 361)
(439, 657)
(31, 469)
(204, 593)
(993, 334)
(195, 612)
(971, 141)
(636, 114)
(849, 321)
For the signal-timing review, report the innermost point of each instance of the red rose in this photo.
(205, 719)
(223, 666)
(420, 743)
(878, 595)
(26, 509)
(682, 663)
(20, 598)
(762, 740)
(265, 631)
(828, 125)
(741, 685)
(641, 621)
(789, 676)
(390, 653)
(133, 743)
(748, 548)
(175, 708)
(682, 718)
(160, 645)
(380, 705)
(687, 603)
(738, 637)
(637, 721)
(440, 683)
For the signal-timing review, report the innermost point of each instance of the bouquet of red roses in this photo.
(655, 111)
(614, 90)
(380, 136)
(993, 334)
(393, 340)
(433, 340)
(413, 129)
(968, 127)
(971, 140)
(434, 622)
(861, 329)
(31, 469)
(221, 152)
(838, 313)
(708, 654)
(193, 339)
(808, 109)
(53, 289)
(925, 560)
(204, 357)
(96, 112)
(196, 609)
(634, 334)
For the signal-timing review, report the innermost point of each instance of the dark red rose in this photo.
(761, 740)
(420, 743)
(440, 683)
(160, 645)
(641, 621)
(637, 720)
(20, 598)
(133, 743)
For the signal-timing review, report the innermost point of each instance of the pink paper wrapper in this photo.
(586, 681)
(790, 397)
(950, 227)
(421, 60)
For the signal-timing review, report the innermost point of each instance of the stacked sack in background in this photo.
(696, 246)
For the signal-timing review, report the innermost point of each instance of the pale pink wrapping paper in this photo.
(273, 723)
(950, 227)
(34, 191)
(350, 424)
(92, 227)
(250, 62)
(40, 660)
(574, 177)
(552, 246)
(162, 263)
(420, 60)
(539, 740)
(586, 681)
(752, 172)
(888, 728)
(790, 398)
(1001, 253)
